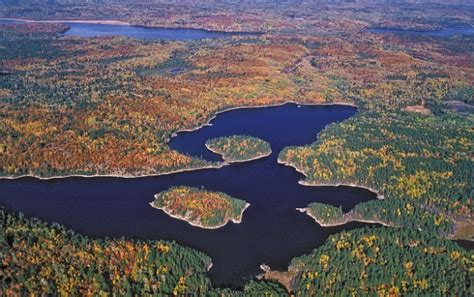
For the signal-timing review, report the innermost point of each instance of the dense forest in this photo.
(324, 214)
(108, 106)
(421, 165)
(43, 259)
(385, 262)
(39, 258)
(322, 16)
(239, 148)
(107, 115)
(200, 207)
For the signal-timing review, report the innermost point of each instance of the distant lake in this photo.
(140, 32)
(272, 231)
(146, 33)
(6, 22)
(446, 32)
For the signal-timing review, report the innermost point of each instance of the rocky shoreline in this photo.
(198, 224)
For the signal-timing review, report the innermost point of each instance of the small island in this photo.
(239, 148)
(200, 208)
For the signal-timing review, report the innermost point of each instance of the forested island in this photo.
(201, 208)
(239, 148)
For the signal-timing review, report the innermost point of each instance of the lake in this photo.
(156, 33)
(145, 33)
(140, 32)
(272, 231)
(446, 32)
(6, 22)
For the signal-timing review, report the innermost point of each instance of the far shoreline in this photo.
(174, 134)
(125, 23)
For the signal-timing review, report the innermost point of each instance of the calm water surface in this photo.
(156, 33)
(272, 231)
(446, 32)
(140, 32)
(146, 33)
(6, 22)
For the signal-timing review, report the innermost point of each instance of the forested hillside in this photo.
(109, 106)
(40, 258)
(385, 262)
(43, 259)
(421, 165)
(322, 16)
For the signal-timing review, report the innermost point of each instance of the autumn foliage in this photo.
(239, 148)
(200, 207)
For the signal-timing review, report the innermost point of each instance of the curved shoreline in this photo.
(226, 160)
(174, 134)
(346, 218)
(314, 184)
(218, 112)
(125, 23)
(217, 166)
(195, 224)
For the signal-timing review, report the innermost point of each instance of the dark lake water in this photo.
(6, 22)
(446, 32)
(146, 33)
(140, 32)
(272, 231)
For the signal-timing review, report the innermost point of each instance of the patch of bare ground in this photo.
(285, 278)
(418, 109)
(464, 229)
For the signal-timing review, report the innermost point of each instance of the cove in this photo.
(272, 230)
(446, 32)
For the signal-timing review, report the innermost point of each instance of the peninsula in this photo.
(330, 216)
